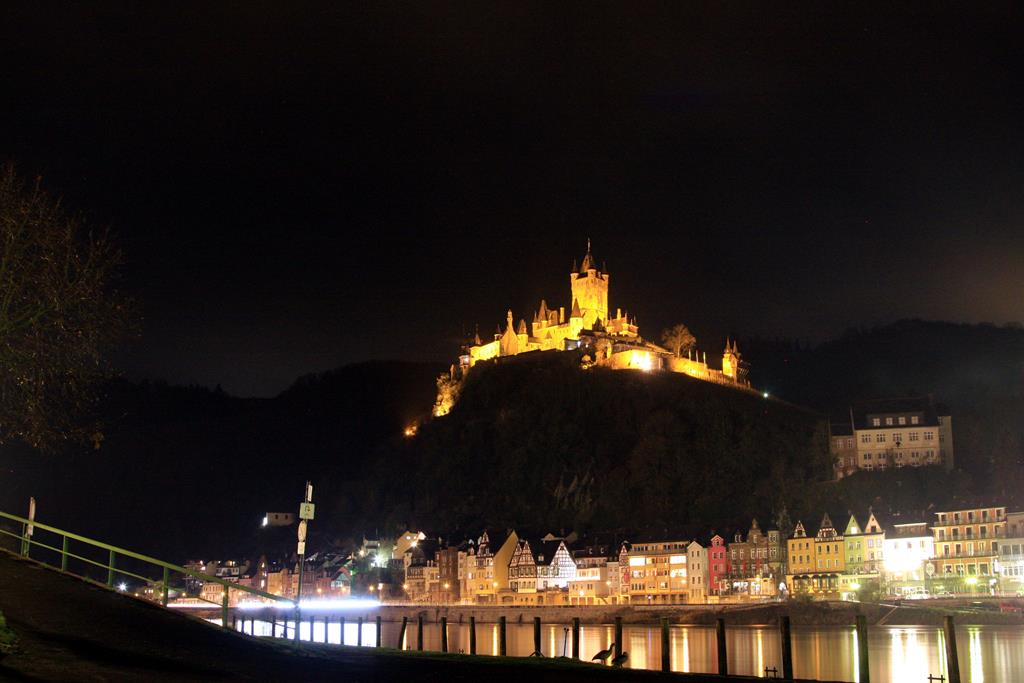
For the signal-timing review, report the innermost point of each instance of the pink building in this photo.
(718, 566)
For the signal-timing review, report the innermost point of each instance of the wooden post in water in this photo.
(401, 634)
(472, 635)
(378, 631)
(723, 656)
(359, 632)
(863, 665)
(952, 661)
(444, 634)
(536, 636)
(787, 648)
(341, 622)
(618, 636)
(419, 632)
(575, 637)
(501, 636)
(666, 655)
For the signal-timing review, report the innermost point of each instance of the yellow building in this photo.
(800, 551)
(829, 550)
(485, 572)
(816, 564)
(589, 327)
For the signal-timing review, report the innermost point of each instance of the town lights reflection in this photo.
(314, 605)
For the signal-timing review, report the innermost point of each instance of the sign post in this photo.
(306, 509)
(29, 528)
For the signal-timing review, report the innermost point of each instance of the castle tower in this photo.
(590, 289)
(731, 360)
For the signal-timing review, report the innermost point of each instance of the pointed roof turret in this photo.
(476, 337)
(799, 531)
(589, 263)
(576, 310)
(542, 314)
(826, 530)
(522, 327)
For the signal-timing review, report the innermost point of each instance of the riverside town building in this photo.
(965, 552)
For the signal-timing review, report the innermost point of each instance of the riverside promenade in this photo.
(69, 630)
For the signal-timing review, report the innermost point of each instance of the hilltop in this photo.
(541, 444)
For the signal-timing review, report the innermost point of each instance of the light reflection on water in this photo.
(897, 654)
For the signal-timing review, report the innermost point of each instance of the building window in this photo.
(875, 422)
(913, 419)
(865, 438)
(902, 420)
(888, 421)
(914, 436)
(880, 438)
(929, 436)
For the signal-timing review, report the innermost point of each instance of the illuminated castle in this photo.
(589, 330)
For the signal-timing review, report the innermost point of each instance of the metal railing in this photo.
(26, 542)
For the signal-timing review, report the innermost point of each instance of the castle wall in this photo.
(689, 367)
(634, 359)
(484, 352)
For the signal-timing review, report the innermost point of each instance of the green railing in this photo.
(112, 553)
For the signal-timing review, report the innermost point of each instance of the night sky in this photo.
(298, 187)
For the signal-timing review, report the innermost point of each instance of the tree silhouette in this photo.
(57, 315)
(678, 338)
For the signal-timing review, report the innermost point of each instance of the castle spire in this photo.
(575, 309)
(588, 260)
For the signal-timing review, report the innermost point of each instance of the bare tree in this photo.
(58, 313)
(678, 338)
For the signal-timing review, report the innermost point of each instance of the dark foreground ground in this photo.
(71, 631)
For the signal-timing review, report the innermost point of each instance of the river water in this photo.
(987, 654)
